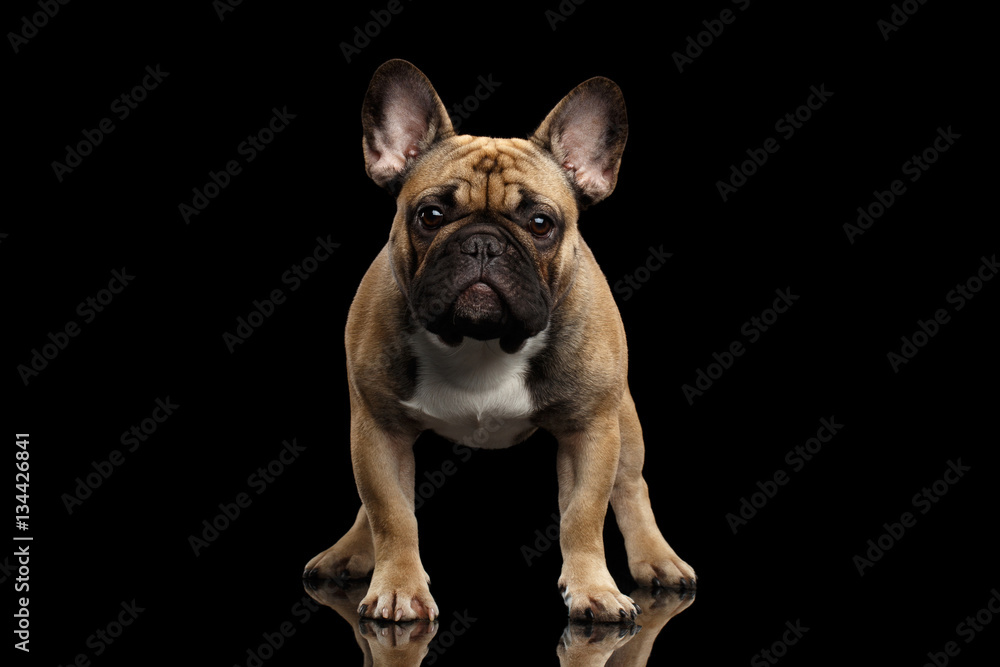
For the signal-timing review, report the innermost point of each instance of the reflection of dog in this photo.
(608, 645)
(408, 644)
(487, 307)
(383, 643)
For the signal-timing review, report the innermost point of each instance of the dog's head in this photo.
(484, 242)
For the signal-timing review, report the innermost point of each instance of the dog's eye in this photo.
(540, 225)
(431, 217)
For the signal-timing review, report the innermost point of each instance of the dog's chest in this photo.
(475, 394)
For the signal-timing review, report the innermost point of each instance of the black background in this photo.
(824, 358)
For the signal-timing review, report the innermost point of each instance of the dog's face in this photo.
(490, 223)
(484, 242)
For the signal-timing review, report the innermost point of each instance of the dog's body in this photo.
(484, 318)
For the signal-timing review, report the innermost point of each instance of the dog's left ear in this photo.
(402, 117)
(586, 134)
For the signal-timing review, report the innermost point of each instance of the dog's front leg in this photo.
(586, 462)
(383, 470)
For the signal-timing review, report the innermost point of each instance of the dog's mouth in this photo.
(481, 313)
(480, 287)
(479, 306)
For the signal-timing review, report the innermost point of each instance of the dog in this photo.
(487, 307)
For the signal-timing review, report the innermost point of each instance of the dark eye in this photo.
(540, 225)
(431, 217)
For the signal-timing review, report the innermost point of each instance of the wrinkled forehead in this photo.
(498, 174)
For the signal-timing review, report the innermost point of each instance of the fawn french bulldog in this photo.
(487, 306)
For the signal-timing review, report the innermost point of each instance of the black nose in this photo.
(482, 246)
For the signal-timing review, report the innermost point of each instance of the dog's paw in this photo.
(340, 563)
(668, 571)
(596, 600)
(395, 595)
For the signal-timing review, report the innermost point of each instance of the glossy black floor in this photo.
(837, 502)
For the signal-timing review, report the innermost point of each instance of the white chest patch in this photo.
(475, 393)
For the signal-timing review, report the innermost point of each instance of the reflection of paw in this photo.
(397, 643)
(343, 598)
(398, 595)
(390, 635)
(667, 571)
(659, 605)
(588, 644)
(341, 562)
(596, 599)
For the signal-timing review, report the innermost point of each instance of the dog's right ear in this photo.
(402, 118)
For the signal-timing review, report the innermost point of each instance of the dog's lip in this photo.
(481, 287)
(476, 296)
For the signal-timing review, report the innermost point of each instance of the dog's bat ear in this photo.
(402, 116)
(586, 134)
